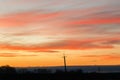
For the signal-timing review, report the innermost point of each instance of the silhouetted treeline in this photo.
(10, 73)
(11, 70)
(7, 70)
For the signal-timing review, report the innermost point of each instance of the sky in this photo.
(38, 32)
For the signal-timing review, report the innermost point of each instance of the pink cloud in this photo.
(51, 47)
(26, 18)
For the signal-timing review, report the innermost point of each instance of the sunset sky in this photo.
(38, 32)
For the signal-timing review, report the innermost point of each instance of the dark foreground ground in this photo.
(63, 76)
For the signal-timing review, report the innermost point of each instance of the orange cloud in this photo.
(26, 48)
(112, 57)
(14, 55)
(104, 57)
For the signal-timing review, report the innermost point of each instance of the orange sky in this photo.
(38, 32)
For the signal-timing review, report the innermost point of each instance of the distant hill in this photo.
(88, 69)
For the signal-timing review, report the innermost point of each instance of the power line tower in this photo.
(98, 69)
(65, 65)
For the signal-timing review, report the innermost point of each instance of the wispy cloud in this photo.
(104, 57)
(15, 55)
(65, 44)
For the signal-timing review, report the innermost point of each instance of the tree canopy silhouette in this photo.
(7, 69)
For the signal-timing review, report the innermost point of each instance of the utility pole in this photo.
(98, 69)
(65, 65)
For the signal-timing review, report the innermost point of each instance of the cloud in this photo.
(53, 47)
(78, 45)
(71, 25)
(15, 55)
(70, 17)
(83, 44)
(104, 57)
(69, 21)
(112, 57)
(113, 42)
(26, 18)
(44, 50)
(27, 48)
(95, 21)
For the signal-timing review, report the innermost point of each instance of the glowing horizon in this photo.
(37, 32)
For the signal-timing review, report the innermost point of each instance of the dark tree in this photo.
(7, 69)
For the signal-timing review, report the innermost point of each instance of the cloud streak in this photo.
(65, 44)
(104, 57)
(15, 55)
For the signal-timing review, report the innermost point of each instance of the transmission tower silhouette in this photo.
(65, 65)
